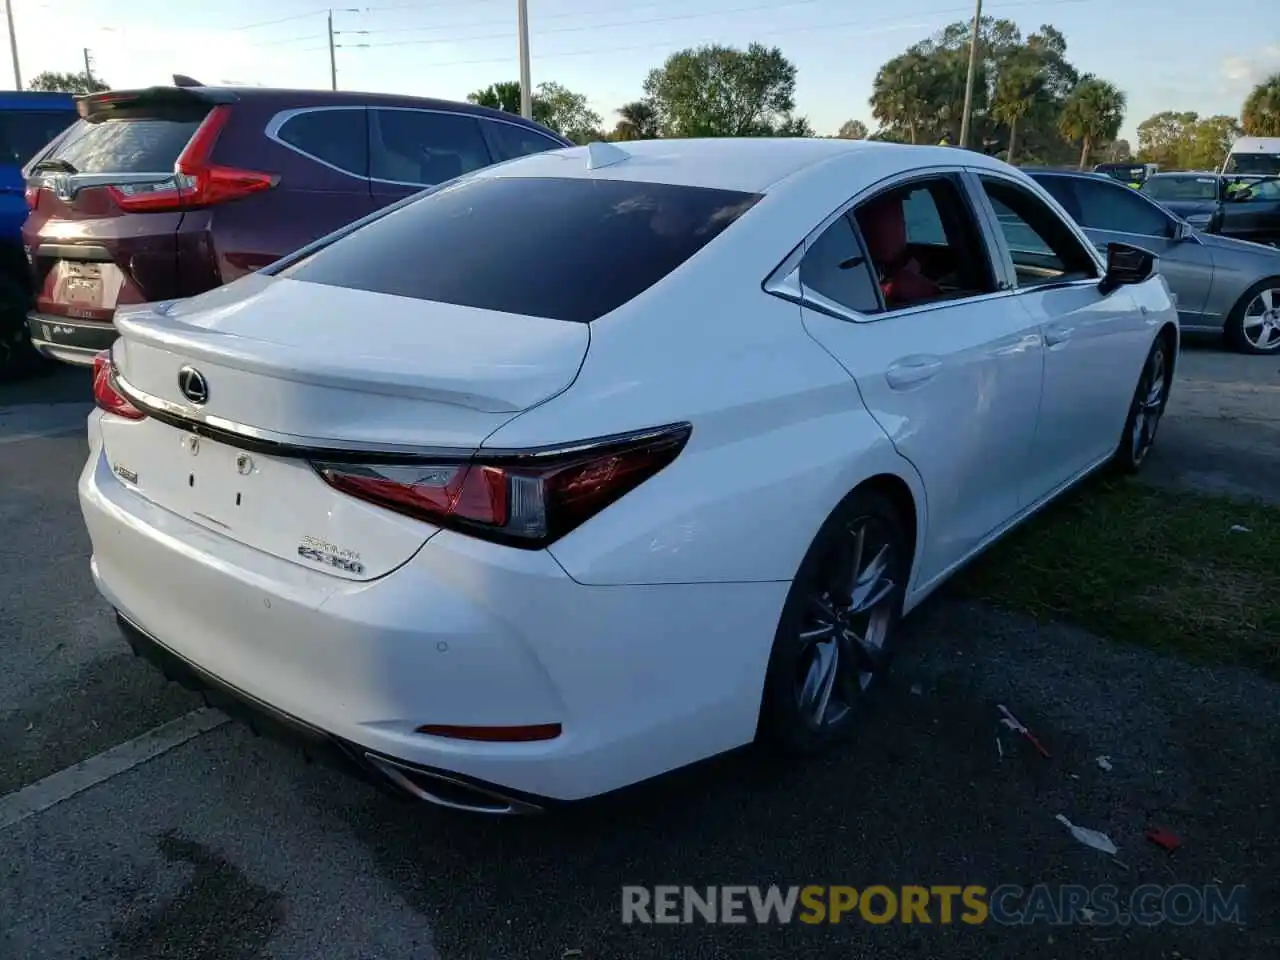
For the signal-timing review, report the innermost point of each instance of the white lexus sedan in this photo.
(596, 463)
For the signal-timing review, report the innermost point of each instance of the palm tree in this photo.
(898, 93)
(1261, 114)
(1093, 112)
(1018, 85)
(852, 130)
(639, 121)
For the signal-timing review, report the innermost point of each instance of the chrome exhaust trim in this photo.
(457, 795)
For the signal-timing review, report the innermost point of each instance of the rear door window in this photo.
(1118, 209)
(126, 145)
(336, 137)
(25, 132)
(510, 140)
(422, 147)
(568, 249)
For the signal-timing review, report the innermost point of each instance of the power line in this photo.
(289, 19)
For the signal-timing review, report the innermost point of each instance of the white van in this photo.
(1254, 157)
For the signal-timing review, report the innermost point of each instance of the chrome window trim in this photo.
(784, 280)
(274, 125)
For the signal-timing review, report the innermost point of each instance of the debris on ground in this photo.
(916, 690)
(1163, 838)
(1236, 528)
(1104, 762)
(1090, 838)
(999, 747)
(1014, 724)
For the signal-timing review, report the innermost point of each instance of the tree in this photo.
(554, 106)
(1019, 83)
(1163, 137)
(1209, 143)
(852, 130)
(1093, 112)
(53, 82)
(1261, 114)
(1119, 151)
(718, 91)
(900, 94)
(639, 121)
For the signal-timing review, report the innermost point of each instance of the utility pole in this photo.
(88, 70)
(333, 57)
(526, 90)
(969, 80)
(13, 45)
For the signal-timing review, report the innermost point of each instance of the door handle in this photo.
(909, 371)
(1055, 335)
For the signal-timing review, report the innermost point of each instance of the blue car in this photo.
(28, 123)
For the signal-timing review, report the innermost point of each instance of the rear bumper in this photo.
(641, 679)
(71, 341)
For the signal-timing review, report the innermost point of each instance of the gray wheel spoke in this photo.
(815, 695)
(872, 586)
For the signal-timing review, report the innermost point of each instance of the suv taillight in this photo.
(105, 394)
(196, 182)
(33, 197)
(523, 500)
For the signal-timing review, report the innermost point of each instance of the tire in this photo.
(1245, 339)
(861, 643)
(18, 358)
(1150, 397)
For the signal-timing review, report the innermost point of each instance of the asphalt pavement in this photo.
(228, 847)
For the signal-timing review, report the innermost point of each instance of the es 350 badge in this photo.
(321, 551)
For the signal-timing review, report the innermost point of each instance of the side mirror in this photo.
(1182, 231)
(1127, 265)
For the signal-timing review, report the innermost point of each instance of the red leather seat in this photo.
(884, 226)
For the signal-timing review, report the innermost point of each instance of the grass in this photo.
(1148, 566)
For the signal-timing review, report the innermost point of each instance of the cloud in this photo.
(1253, 67)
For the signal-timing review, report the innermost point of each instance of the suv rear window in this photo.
(126, 145)
(24, 132)
(567, 249)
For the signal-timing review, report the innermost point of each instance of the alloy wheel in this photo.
(1261, 321)
(1149, 406)
(846, 622)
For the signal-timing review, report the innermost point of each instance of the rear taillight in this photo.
(196, 182)
(106, 395)
(525, 500)
(33, 197)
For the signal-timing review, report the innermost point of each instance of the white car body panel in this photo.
(646, 631)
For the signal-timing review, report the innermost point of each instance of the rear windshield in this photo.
(1181, 188)
(566, 249)
(24, 132)
(1261, 164)
(125, 145)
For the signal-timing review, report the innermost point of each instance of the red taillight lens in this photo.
(196, 182)
(32, 195)
(523, 500)
(105, 394)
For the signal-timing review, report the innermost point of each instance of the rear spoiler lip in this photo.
(92, 105)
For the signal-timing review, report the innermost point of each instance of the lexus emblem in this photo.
(193, 385)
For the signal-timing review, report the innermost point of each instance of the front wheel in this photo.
(1146, 409)
(836, 630)
(1254, 324)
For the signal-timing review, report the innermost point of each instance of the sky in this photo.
(1165, 54)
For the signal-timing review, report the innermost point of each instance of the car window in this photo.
(1041, 245)
(835, 267)
(1181, 188)
(1266, 190)
(565, 248)
(424, 147)
(24, 132)
(1262, 164)
(131, 144)
(1118, 209)
(511, 140)
(924, 244)
(338, 137)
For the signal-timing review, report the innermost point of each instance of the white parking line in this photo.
(65, 784)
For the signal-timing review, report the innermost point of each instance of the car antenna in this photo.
(604, 155)
(182, 80)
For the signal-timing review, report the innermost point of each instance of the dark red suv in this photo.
(167, 192)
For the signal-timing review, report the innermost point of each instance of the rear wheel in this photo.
(1253, 325)
(1147, 407)
(836, 630)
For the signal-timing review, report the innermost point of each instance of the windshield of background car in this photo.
(567, 249)
(1181, 188)
(24, 132)
(1257, 164)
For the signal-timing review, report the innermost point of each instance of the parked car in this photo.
(1247, 208)
(1252, 212)
(167, 192)
(1195, 197)
(594, 464)
(28, 121)
(1134, 174)
(1253, 156)
(1222, 284)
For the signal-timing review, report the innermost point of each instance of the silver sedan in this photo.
(1222, 285)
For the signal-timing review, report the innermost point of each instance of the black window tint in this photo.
(24, 132)
(127, 145)
(567, 249)
(510, 140)
(418, 147)
(338, 137)
(1043, 248)
(835, 267)
(1119, 209)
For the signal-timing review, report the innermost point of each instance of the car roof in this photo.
(35, 100)
(746, 164)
